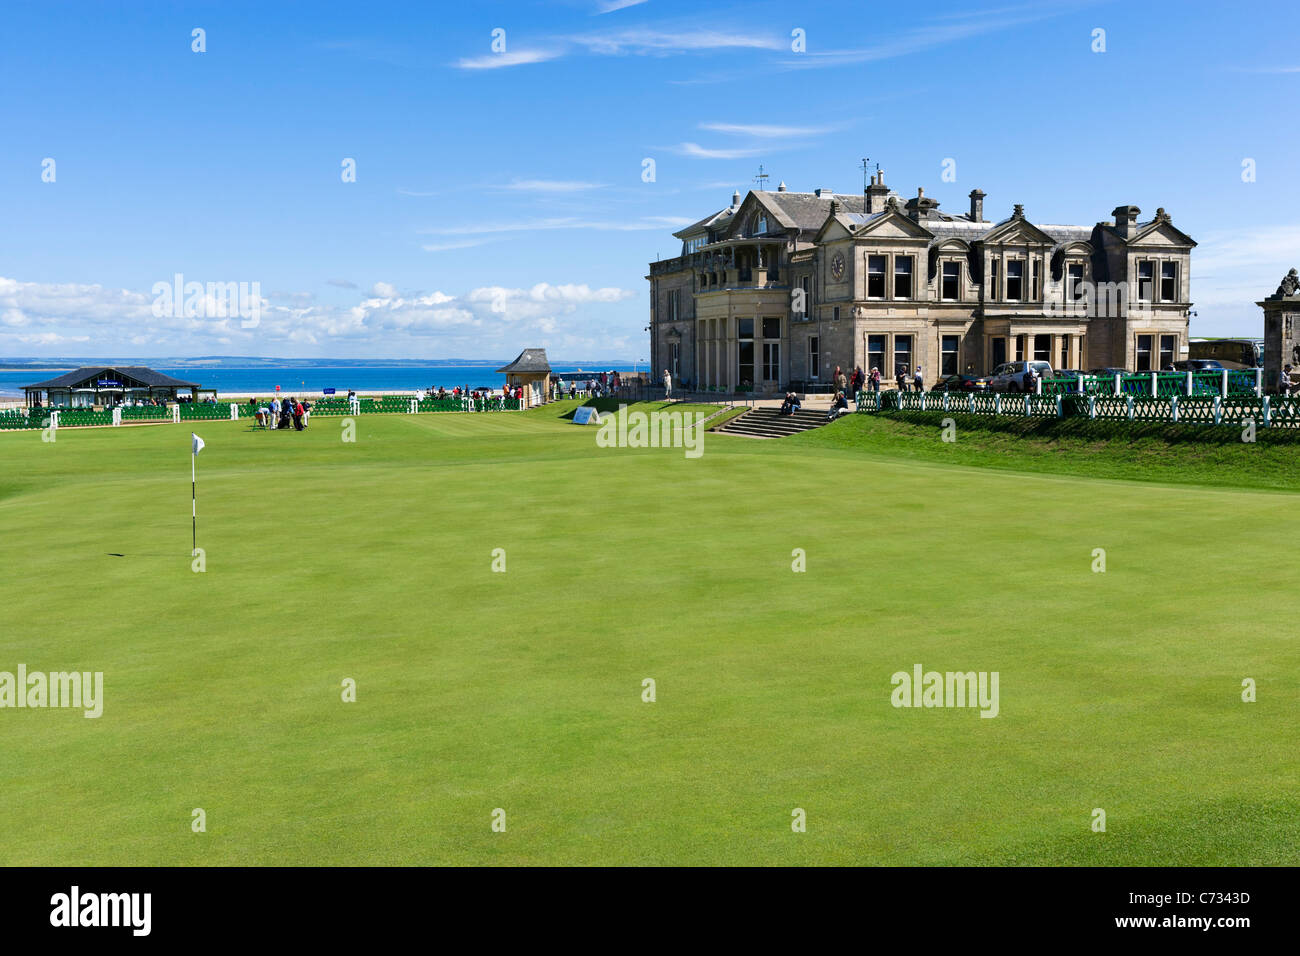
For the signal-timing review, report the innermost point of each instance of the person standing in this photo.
(841, 383)
(668, 386)
(919, 379)
(875, 378)
(1284, 382)
(901, 372)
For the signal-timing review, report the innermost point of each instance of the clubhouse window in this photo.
(814, 358)
(948, 347)
(1043, 348)
(675, 358)
(1020, 348)
(1036, 282)
(835, 314)
(1015, 279)
(1065, 352)
(771, 361)
(999, 351)
(1144, 353)
(877, 345)
(950, 290)
(1168, 282)
(902, 277)
(993, 292)
(745, 352)
(875, 277)
(902, 353)
(805, 283)
(771, 327)
(1145, 274)
(1167, 345)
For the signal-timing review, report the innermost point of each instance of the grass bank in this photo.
(1168, 454)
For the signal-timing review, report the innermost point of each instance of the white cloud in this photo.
(551, 185)
(647, 41)
(494, 61)
(447, 246)
(644, 223)
(609, 6)
(483, 321)
(769, 132)
(696, 151)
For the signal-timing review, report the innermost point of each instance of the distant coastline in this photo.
(313, 379)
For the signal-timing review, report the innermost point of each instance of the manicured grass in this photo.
(522, 690)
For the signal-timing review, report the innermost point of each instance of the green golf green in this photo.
(522, 690)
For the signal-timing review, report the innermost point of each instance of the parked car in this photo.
(1010, 376)
(961, 383)
(1199, 365)
(1110, 372)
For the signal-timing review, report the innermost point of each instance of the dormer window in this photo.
(760, 225)
(1074, 282)
(950, 290)
(1015, 278)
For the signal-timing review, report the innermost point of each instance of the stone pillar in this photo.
(1281, 331)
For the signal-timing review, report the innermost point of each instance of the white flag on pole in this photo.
(198, 443)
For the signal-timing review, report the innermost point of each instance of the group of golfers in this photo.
(282, 413)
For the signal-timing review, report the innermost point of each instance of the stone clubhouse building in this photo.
(779, 288)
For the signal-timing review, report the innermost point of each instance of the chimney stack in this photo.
(1126, 218)
(877, 193)
(977, 205)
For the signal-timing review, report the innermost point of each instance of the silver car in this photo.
(1011, 376)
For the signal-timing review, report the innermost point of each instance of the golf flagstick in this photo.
(195, 447)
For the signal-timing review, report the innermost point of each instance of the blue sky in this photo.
(499, 200)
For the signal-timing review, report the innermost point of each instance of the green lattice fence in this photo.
(75, 417)
(205, 411)
(159, 413)
(1269, 411)
(18, 418)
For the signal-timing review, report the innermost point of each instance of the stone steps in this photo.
(767, 423)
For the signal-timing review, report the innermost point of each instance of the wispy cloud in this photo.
(649, 41)
(495, 61)
(638, 41)
(644, 223)
(609, 6)
(771, 132)
(341, 283)
(551, 185)
(463, 244)
(938, 33)
(412, 192)
(696, 151)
